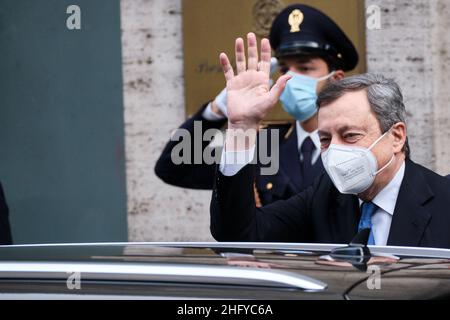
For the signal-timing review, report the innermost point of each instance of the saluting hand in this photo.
(249, 98)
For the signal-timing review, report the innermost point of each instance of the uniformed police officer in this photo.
(311, 47)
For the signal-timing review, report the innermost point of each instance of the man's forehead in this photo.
(352, 104)
(345, 122)
(351, 111)
(342, 127)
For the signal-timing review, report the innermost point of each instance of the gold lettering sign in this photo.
(295, 20)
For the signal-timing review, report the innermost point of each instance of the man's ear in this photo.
(398, 131)
(338, 75)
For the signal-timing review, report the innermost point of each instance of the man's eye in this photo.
(303, 69)
(352, 136)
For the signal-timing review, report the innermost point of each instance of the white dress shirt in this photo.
(386, 200)
(210, 115)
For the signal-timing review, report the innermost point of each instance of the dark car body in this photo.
(220, 271)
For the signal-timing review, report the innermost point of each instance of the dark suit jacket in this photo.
(5, 231)
(283, 185)
(321, 214)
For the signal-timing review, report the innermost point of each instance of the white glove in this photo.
(221, 99)
(273, 65)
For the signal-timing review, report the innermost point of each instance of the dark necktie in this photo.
(306, 150)
(367, 211)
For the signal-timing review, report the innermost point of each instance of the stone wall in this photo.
(412, 46)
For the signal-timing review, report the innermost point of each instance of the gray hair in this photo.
(384, 95)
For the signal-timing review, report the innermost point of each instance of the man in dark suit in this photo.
(309, 43)
(5, 232)
(370, 181)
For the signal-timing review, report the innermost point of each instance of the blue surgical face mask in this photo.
(300, 96)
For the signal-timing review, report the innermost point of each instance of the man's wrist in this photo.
(244, 125)
(240, 137)
(233, 162)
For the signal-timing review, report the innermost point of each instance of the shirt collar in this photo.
(387, 197)
(302, 135)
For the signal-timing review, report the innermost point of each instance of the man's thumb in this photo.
(278, 88)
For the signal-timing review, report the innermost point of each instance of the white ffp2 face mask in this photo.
(352, 169)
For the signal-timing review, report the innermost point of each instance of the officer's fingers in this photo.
(266, 55)
(226, 67)
(252, 52)
(278, 88)
(240, 56)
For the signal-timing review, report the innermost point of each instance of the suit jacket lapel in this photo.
(318, 167)
(347, 215)
(411, 216)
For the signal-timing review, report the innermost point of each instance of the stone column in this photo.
(154, 106)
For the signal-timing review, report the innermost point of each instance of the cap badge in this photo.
(295, 20)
